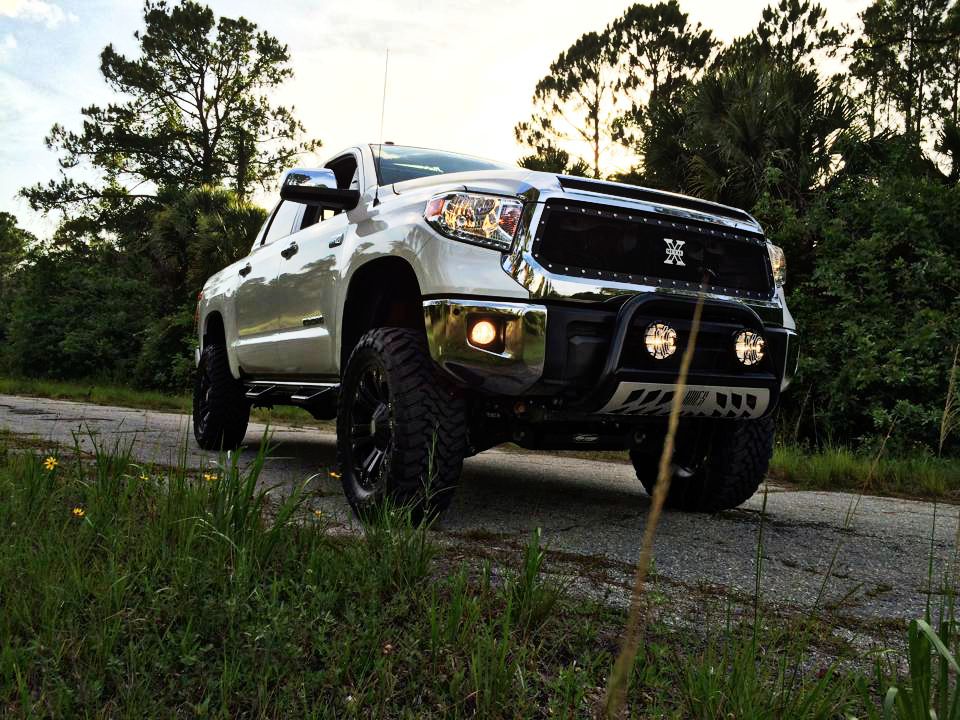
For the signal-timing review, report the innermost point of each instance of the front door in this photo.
(256, 302)
(306, 296)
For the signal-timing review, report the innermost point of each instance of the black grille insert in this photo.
(629, 246)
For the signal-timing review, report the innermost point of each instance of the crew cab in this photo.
(438, 305)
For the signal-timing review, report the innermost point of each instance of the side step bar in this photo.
(311, 396)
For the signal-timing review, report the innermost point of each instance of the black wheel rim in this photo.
(371, 429)
(203, 399)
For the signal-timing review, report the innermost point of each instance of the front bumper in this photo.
(589, 358)
(511, 368)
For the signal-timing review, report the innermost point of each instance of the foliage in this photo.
(76, 313)
(554, 160)
(14, 242)
(879, 311)
(792, 32)
(755, 127)
(193, 235)
(98, 311)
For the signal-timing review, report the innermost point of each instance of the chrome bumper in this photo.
(512, 370)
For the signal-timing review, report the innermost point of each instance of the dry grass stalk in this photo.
(951, 409)
(617, 685)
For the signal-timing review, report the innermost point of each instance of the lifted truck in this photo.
(438, 305)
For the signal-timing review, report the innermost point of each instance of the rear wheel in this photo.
(221, 411)
(715, 467)
(401, 433)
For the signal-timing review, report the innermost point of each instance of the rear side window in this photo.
(282, 223)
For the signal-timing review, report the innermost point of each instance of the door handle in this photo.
(337, 241)
(290, 250)
(245, 270)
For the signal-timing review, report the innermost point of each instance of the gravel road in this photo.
(592, 516)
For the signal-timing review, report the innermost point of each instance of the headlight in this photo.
(480, 219)
(778, 261)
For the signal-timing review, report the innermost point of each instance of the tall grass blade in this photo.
(951, 409)
(616, 694)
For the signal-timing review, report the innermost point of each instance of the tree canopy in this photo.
(194, 110)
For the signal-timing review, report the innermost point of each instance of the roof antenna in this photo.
(383, 107)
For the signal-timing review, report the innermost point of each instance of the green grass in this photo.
(841, 469)
(97, 393)
(178, 594)
(100, 393)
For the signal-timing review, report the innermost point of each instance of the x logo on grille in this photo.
(674, 252)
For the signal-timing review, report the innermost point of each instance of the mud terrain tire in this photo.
(401, 430)
(727, 475)
(221, 412)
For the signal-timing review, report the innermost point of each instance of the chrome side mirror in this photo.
(317, 187)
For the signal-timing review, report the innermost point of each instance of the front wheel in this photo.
(714, 468)
(401, 433)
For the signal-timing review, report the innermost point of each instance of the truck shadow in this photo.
(499, 489)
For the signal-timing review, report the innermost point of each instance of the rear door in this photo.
(258, 349)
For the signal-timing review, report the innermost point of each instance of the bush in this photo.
(879, 312)
(76, 314)
(124, 310)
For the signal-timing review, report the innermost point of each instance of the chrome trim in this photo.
(791, 360)
(543, 284)
(510, 372)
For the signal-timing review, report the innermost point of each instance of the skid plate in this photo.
(636, 398)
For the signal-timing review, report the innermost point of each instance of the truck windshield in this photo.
(397, 163)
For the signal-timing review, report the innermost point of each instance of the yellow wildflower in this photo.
(144, 477)
(50, 464)
(79, 512)
(334, 474)
(210, 477)
(318, 513)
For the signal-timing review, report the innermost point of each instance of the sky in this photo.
(461, 72)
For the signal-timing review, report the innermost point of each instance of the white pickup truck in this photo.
(438, 305)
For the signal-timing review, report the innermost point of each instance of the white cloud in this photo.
(40, 11)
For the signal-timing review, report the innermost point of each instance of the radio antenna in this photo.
(383, 109)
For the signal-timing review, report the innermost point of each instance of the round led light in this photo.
(483, 332)
(661, 340)
(749, 347)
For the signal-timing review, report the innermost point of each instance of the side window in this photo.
(348, 177)
(258, 240)
(282, 223)
(314, 214)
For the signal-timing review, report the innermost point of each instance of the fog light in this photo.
(483, 332)
(749, 346)
(661, 340)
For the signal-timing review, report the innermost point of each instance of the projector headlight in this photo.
(778, 261)
(749, 347)
(484, 220)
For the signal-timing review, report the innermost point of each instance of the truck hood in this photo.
(530, 185)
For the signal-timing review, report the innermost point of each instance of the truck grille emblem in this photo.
(674, 252)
